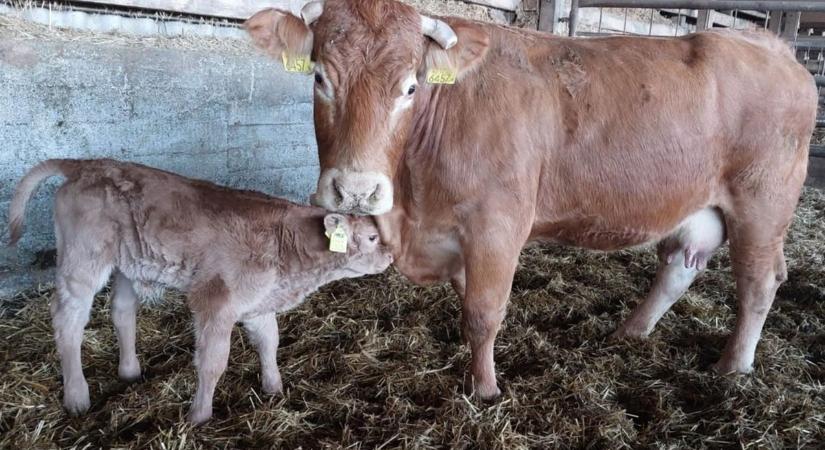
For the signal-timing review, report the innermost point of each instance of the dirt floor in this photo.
(379, 362)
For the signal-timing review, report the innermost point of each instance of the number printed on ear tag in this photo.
(441, 76)
(297, 63)
(338, 240)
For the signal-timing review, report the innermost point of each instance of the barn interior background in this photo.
(175, 84)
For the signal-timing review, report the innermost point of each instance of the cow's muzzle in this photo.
(350, 192)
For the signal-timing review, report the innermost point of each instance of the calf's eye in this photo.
(373, 238)
(411, 90)
(318, 78)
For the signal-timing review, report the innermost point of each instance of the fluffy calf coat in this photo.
(240, 256)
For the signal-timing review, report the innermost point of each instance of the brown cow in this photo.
(240, 255)
(601, 143)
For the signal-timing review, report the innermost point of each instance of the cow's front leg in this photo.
(489, 276)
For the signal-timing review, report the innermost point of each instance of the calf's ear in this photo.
(278, 32)
(468, 51)
(333, 221)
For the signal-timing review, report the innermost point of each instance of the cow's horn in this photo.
(312, 11)
(439, 31)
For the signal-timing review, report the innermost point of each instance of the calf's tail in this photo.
(25, 189)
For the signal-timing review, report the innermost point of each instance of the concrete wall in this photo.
(237, 119)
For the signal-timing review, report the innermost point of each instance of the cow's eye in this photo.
(318, 78)
(373, 237)
(411, 90)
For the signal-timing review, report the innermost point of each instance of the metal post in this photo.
(703, 21)
(775, 22)
(792, 21)
(574, 17)
(772, 5)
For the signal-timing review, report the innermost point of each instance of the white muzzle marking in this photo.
(351, 192)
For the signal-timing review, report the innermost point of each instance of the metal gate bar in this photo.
(762, 5)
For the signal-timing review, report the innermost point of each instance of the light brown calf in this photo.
(601, 143)
(241, 256)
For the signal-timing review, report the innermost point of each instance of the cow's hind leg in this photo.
(759, 268)
(672, 280)
(761, 211)
(263, 332)
(682, 257)
(125, 304)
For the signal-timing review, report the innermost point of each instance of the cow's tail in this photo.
(25, 189)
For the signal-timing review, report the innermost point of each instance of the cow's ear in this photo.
(279, 32)
(333, 221)
(462, 57)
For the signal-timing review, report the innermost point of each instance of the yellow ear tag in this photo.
(297, 64)
(338, 240)
(441, 76)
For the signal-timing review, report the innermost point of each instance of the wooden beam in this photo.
(230, 9)
(550, 13)
(507, 5)
(243, 9)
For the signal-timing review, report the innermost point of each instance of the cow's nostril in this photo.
(339, 193)
(375, 193)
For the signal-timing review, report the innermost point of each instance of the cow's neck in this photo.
(422, 154)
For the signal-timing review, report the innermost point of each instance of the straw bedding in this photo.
(379, 362)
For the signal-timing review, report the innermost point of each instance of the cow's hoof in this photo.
(624, 333)
(273, 386)
(76, 398)
(129, 372)
(481, 392)
(731, 368)
(199, 416)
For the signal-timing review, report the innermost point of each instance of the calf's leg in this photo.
(76, 286)
(125, 304)
(212, 339)
(263, 332)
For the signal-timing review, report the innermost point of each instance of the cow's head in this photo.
(370, 57)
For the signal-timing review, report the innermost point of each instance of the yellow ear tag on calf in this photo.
(441, 76)
(297, 63)
(338, 240)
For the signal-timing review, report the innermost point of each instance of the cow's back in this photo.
(621, 138)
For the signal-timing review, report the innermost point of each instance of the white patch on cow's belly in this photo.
(695, 239)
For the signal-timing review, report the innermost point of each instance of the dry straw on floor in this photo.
(379, 362)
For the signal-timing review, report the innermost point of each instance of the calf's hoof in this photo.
(76, 398)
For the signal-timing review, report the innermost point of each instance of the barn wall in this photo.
(237, 119)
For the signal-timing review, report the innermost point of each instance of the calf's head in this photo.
(365, 254)
(370, 58)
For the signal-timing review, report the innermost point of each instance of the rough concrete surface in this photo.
(235, 119)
